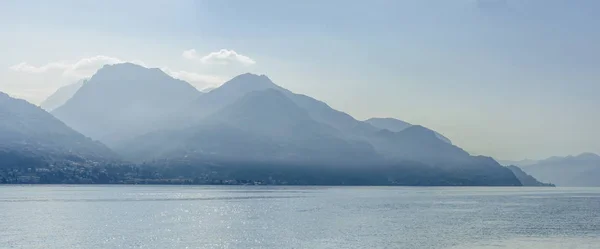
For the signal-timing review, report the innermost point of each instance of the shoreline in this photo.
(272, 185)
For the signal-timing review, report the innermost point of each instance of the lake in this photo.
(91, 216)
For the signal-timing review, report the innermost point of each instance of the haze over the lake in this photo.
(510, 79)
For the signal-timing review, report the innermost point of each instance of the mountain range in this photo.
(519, 163)
(570, 171)
(526, 179)
(268, 125)
(396, 125)
(123, 101)
(148, 117)
(29, 136)
(61, 95)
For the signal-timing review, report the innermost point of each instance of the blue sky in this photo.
(508, 78)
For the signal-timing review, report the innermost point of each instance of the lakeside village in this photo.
(94, 173)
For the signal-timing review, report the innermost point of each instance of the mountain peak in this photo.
(232, 90)
(138, 97)
(271, 113)
(418, 129)
(250, 82)
(248, 74)
(129, 69)
(123, 65)
(61, 95)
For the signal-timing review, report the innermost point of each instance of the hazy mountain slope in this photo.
(270, 125)
(390, 124)
(27, 131)
(419, 144)
(486, 169)
(519, 163)
(525, 179)
(342, 121)
(243, 84)
(397, 125)
(146, 115)
(199, 143)
(318, 110)
(124, 100)
(266, 131)
(270, 113)
(581, 170)
(230, 92)
(61, 95)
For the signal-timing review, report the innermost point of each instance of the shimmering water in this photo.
(59, 217)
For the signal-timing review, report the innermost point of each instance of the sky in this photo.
(511, 79)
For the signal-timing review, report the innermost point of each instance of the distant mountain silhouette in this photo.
(243, 84)
(518, 163)
(230, 92)
(580, 170)
(61, 95)
(318, 110)
(208, 89)
(270, 113)
(272, 127)
(420, 144)
(396, 125)
(148, 116)
(124, 100)
(30, 136)
(417, 143)
(527, 180)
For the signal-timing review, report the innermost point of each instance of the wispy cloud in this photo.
(82, 68)
(200, 81)
(86, 67)
(221, 57)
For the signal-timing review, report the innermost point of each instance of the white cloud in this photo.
(200, 81)
(82, 68)
(221, 57)
(190, 54)
(86, 67)
(26, 67)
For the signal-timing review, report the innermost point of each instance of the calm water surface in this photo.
(59, 217)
